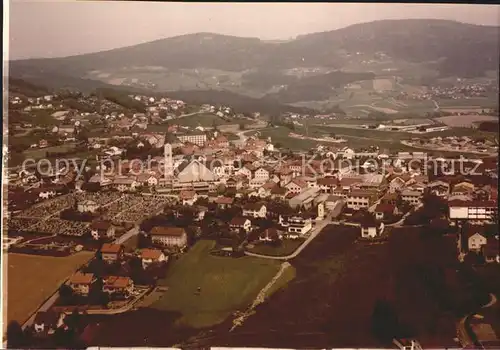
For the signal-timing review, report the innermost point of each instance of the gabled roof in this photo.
(187, 195)
(270, 233)
(224, 200)
(153, 254)
(101, 225)
(110, 248)
(298, 182)
(117, 281)
(253, 206)
(167, 231)
(81, 278)
(327, 181)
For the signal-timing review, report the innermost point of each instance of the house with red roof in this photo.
(238, 223)
(383, 211)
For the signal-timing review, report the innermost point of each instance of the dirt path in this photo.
(260, 297)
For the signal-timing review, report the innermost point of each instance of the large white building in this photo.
(196, 138)
(169, 236)
(472, 210)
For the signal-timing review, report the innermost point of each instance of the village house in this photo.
(370, 228)
(147, 180)
(239, 223)
(118, 285)
(169, 236)
(262, 174)
(296, 186)
(235, 182)
(102, 229)
(112, 253)
(285, 175)
(327, 184)
(359, 199)
(255, 210)
(246, 170)
(295, 225)
(417, 187)
(463, 188)
(151, 256)
(80, 283)
(383, 211)
(270, 235)
(260, 192)
(475, 241)
(123, 184)
(439, 188)
(188, 197)
(399, 183)
(278, 192)
(46, 322)
(224, 202)
(491, 250)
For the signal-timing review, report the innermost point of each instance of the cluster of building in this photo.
(455, 92)
(456, 143)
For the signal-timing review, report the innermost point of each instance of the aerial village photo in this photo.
(250, 175)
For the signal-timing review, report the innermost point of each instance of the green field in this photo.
(202, 119)
(286, 247)
(226, 285)
(39, 153)
(388, 141)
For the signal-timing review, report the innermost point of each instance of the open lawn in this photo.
(31, 279)
(388, 141)
(226, 285)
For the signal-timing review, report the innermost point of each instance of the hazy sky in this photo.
(42, 28)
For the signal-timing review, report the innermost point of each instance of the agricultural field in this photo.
(39, 153)
(383, 84)
(225, 285)
(29, 284)
(469, 103)
(465, 121)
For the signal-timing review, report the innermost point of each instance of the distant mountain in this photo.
(447, 47)
(415, 40)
